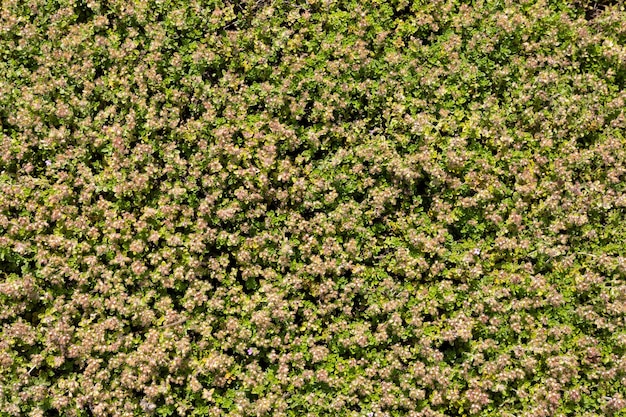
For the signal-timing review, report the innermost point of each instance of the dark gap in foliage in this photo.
(275, 59)
(211, 251)
(314, 153)
(185, 114)
(381, 252)
(350, 114)
(248, 285)
(542, 264)
(12, 262)
(99, 70)
(257, 75)
(6, 127)
(69, 365)
(34, 311)
(194, 336)
(350, 352)
(356, 408)
(422, 190)
(238, 138)
(308, 301)
(88, 412)
(83, 13)
(26, 349)
(324, 387)
(309, 214)
(25, 57)
(612, 115)
(358, 197)
(620, 79)
(247, 10)
(403, 10)
(587, 140)
(454, 351)
(252, 397)
(595, 8)
(506, 397)
(298, 319)
(263, 361)
(423, 36)
(258, 108)
(177, 294)
(359, 304)
(11, 168)
(454, 231)
(49, 410)
(306, 121)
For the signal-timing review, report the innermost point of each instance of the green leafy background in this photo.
(309, 208)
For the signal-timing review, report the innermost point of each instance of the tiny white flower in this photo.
(48, 162)
(476, 251)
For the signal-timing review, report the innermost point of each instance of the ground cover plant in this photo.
(312, 208)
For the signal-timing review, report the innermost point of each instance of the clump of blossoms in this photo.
(270, 208)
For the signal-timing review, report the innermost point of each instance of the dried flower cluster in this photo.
(312, 208)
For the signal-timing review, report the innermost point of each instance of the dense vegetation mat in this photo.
(312, 208)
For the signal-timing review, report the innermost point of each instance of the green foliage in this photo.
(310, 208)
